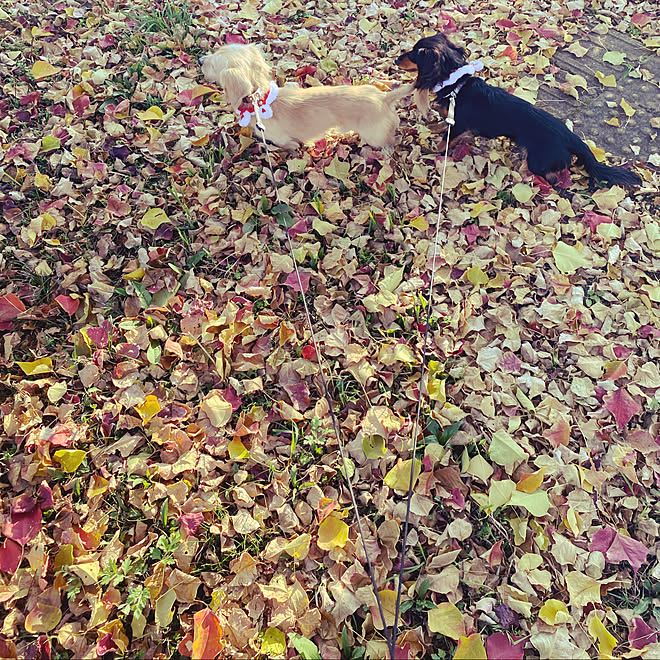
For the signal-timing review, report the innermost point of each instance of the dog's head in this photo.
(239, 69)
(433, 59)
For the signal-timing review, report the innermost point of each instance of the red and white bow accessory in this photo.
(262, 102)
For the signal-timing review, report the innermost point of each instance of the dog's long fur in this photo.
(492, 112)
(304, 115)
(239, 69)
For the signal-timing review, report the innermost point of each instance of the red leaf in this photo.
(640, 634)
(622, 406)
(234, 39)
(11, 554)
(207, 640)
(191, 522)
(81, 104)
(24, 521)
(100, 335)
(68, 304)
(306, 70)
(499, 647)
(106, 645)
(510, 363)
(10, 307)
(641, 20)
(618, 547)
(594, 219)
(292, 281)
(471, 232)
(624, 548)
(602, 540)
(107, 41)
(309, 352)
(564, 179)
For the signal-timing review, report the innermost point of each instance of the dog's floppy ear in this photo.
(436, 63)
(235, 86)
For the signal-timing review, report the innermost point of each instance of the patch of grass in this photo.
(170, 17)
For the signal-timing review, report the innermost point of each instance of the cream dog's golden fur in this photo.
(304, 115)
(240, 69)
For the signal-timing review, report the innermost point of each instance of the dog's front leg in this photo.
(278, 138)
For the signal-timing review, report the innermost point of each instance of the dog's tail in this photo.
(398, 93)
(599, 172)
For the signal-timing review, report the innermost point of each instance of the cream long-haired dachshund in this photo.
(297, 115)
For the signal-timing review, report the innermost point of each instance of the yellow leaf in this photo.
(42, 181)
(522, 192)
(154, 113)
(148, 408)
(530, 482)
(613, 122)
(398, 477)
(403, 353)
(614, 57)
(568, 258)
(609, 198)
(470, 648)
(627, 108)
(554, 612)
(373, 446)
(217, 410)
(273, 643)
(237, 450)
(606, 641)
(321, 227)
(388, 603)
(447, 619)
(436, 385)
(391, 281)
(477, 276)
(299, 547)
(98, 486)
(333, 533)
(201, 141)
(154, 218)
(70, 459)
(420, 223)
(40, 366)
(504, 450)
(49, 143)
(47, 221)
(499, 493)
(64, 557)
(56, 391)
(538, 503)
(42, 618)
(606, 81)
(582, 589)
(164, 610)
(43, 69)
(136, 274)
(40, 32)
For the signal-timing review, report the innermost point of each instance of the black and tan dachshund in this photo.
(492, 112)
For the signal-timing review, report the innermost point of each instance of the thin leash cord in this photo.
(450, 122)
(326, 392)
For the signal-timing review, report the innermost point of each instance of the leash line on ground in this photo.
(326, 392)
(406, 526)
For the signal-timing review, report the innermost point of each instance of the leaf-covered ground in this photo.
(170, 484)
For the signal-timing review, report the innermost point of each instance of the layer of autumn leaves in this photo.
(170, 484)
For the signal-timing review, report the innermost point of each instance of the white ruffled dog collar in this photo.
(262, 102)
(467, 70)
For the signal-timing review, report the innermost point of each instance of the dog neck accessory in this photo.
(467, 70)
(261, 102)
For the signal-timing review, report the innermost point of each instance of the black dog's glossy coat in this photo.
(493, 112)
